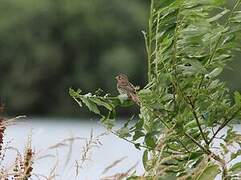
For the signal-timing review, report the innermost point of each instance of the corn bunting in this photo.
(125, 87)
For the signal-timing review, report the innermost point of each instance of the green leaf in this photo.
(145, 159)
(137, 146)
(196, 64)
(78, 101)
(237, 98)
(108, 121)
(179, 124)
(144, 91)
(214, 73)
(218, 16)
(75, 95)
(236, 154)
(139, 124)
(149, 140)
(124, 132)
(128, 121)
(92, 106)
(210, 172)
(236, 168)
(224, 147)
(188, 70)
(138, 134)
(237, 17)
(191, 124)
(232, 136)
(102, 103)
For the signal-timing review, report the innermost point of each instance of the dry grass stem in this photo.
(115, 163)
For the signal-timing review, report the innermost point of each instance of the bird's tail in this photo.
(135, 99)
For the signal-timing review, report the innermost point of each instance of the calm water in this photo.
(46, 133)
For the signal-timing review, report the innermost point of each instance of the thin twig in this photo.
(197, 119)
(140, 145)
(226, 121)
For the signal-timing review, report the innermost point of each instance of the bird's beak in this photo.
(116, 77)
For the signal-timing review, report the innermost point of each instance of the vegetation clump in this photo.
(184, 107)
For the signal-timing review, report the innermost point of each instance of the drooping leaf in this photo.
(92, 106)
(75, 95)
(236, 168)
(218, 16)
(236, 18)
(236, 154)
(138, 134)
(137, 146)
(237, 98)
(139, 124)
(210, 172)
(145, 159)
(124, 132)
(215, 72)
(107, 121)
(100, 102)
(149, 140)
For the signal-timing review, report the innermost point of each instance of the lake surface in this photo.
(47, 133)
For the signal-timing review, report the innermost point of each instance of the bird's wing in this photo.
(128, 88)
(132, 87)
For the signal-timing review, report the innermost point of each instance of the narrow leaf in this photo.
(218, 16)
(210, 172)
(236, 168)
(145, 159)
(92, 106)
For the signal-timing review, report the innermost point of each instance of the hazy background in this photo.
(48, 46)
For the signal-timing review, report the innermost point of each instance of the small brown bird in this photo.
(125, 87)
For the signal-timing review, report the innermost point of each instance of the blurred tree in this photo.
(47, 46)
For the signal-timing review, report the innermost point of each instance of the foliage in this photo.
(184, 105)
(47, 46)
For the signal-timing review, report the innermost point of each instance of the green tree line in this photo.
(47, 46)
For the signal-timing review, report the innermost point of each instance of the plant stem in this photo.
(168, 127)
(197, 119)
(206, 151)
(178, 87)
(224, 172)
(226, 121)
(156, 45)
(143, 146)
(149, 39)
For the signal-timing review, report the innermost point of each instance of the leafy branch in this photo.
(184, 100)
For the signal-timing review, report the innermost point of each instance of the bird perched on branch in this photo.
(125, 87)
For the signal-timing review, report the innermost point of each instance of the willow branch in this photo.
(129, 141)
(149, 39)
(226, 121)
(221, 35)
(197, 119)
(218, 41)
